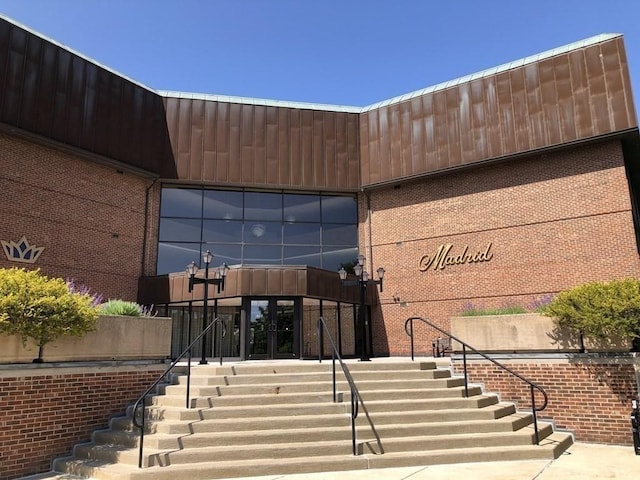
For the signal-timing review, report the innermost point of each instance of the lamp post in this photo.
(218, 280)
(362, 282)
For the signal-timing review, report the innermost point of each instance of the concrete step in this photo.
(550, 448)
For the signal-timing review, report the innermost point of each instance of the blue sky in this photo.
(345, 52)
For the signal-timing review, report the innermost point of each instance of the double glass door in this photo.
(273, 328)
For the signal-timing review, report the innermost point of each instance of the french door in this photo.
(273, 328)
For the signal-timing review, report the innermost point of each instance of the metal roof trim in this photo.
(494, 70)
(259, 101)
(74, 52)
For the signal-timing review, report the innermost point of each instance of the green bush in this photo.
(120, 307)
(478, 312)
(599, 310)
(41, 308)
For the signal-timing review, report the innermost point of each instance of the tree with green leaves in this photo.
(34, 306)
(600, 311)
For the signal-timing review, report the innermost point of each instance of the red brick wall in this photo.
(554, 220)
(589, 396)
(89, 217)
(44, 413)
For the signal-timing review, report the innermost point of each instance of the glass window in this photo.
(339, 209)
(263, 232)
(225, 205)
(339, 234)
(263, 206)
(228, 253)
(181, 202)
(302, 233)
(301, 208)
(334, 257)
(224, 231)
(262, 255)
(302, 256)
(180, 230)
(174, 257)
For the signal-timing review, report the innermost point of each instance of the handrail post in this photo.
(354, 415)
(333, 358)
(464, 361)
(535, 419)
(140, 446)
(412, 342)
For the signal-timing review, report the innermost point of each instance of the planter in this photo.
(525, 332)
(116, 338)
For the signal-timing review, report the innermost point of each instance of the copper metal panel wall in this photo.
(49, 91)
(263, 146)
(573, 96)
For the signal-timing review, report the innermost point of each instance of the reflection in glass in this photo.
(302, 233)
(301, 208)
(298, 255)
(181, 202)
(179, 230)
(334, 258)
(231, 254)
(263, 206)
(221, 231)
(173, 257)
(336, 234)
(262, 255)
(258, 327)
(284, 326)
(339, 209)
(263, 232)
(222, 204)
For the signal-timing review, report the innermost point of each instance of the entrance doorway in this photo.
(273, 328)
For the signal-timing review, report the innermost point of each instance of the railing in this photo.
(140, 403)
(356, 399)
(408, 327)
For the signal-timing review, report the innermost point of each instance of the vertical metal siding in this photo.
(571, 96)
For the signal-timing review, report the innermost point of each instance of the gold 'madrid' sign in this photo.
(444, 258)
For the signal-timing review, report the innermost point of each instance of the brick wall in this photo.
(553, 220)
(45, 412)
(588, 395)
(90, 218)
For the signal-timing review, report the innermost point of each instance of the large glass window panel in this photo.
(301, 208)
(174, 257)
(181, 202)
(302, 233)
(302, 256)
(339, 209)
(262, 255)
(339, 234)
(226, 205)
(334, 257)
(263, 206)
(222, 231)
(263, 232)
(180, 230)
(231, 254)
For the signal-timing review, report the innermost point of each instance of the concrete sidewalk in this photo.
(582, 461)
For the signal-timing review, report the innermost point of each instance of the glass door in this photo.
(273, 328)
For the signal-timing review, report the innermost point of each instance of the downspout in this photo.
(146, 226)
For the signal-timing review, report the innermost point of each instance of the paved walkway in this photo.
(582, 461)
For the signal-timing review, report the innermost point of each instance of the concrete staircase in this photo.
(265, 418)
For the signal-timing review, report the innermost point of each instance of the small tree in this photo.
(41, 308)
(599, 310)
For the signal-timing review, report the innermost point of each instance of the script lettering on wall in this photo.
(444, 257)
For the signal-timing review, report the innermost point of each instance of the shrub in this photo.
(130, 309)
(507, 310)
(41, 308)
(599, 310)
(120, 307)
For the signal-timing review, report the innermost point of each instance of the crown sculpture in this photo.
(21, 251)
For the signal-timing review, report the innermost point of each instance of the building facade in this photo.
(498, 188)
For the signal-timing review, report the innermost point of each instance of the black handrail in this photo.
(141, 401)
(356, 399)
(532, 385)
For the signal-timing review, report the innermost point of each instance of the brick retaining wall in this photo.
(46, 411)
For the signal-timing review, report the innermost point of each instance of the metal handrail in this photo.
(532, 385)
(141, 401)
(356, 399)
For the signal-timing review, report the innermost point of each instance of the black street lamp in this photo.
(218, 280)
(362, 282)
